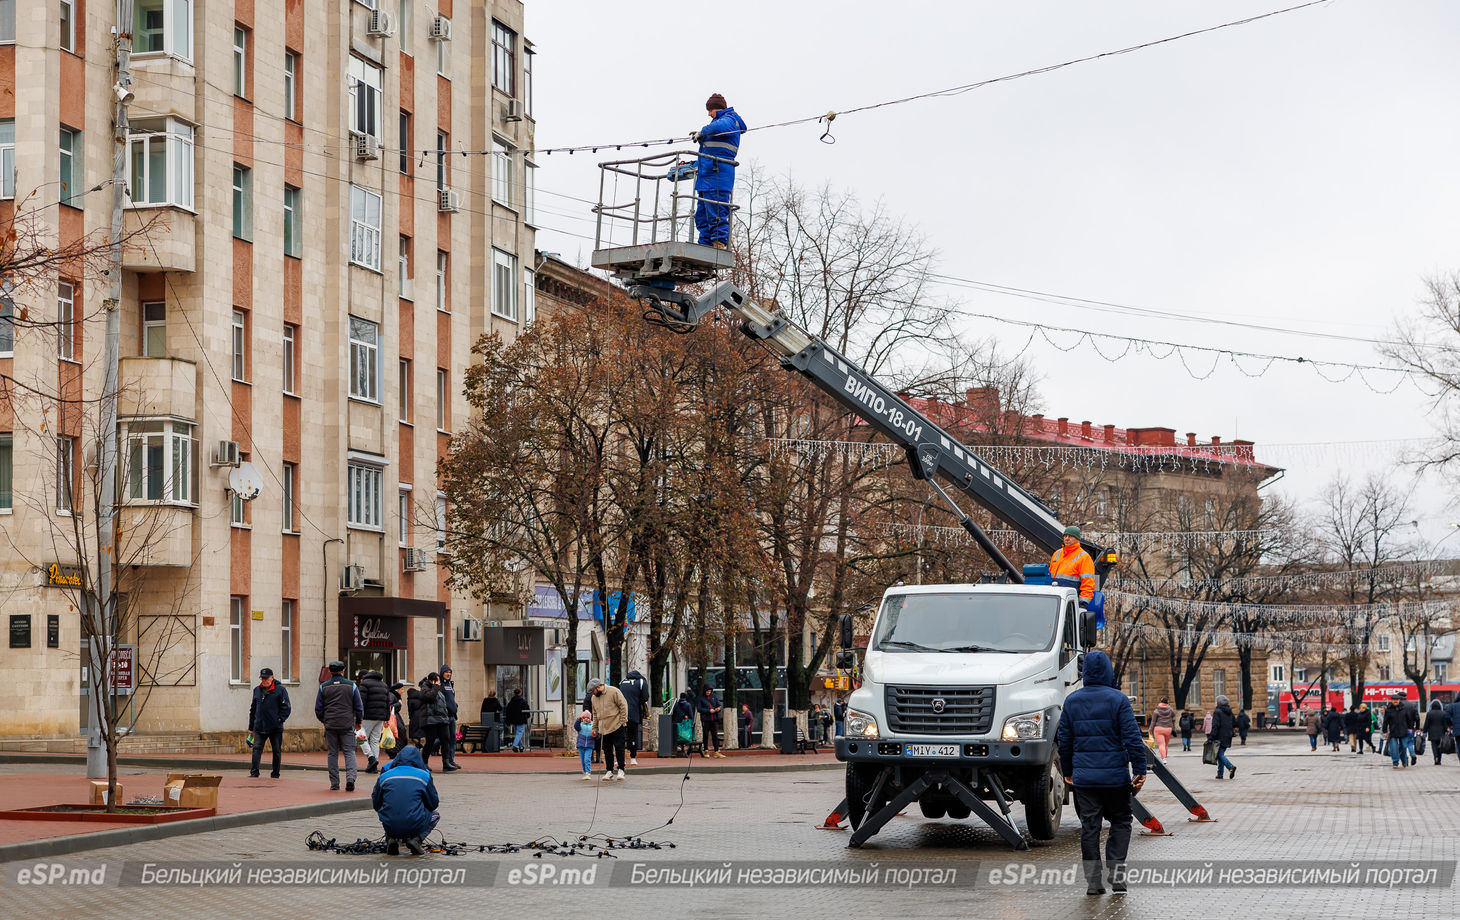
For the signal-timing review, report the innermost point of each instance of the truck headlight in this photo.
(1026, 726)
(860, 725)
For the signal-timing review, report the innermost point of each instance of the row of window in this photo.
(66, 15)
(66, 327)
(65, 473)
(69, 154)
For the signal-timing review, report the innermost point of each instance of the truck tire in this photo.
(1044, 801)
(860, 780)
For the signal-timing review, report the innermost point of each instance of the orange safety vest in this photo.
(1074, 562)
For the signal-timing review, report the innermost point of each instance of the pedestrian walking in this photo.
(1223, 725)
(1312, 724)
(1244, 725)
(635, 689)
(684, 712)
(1333, 728)
(375, 698)
(1353, 726)
(1437, 724)
(1370, 724)
(610, 717)
(825, 718)
(709, 709)
(415, 717)
(746, 718)
(1396, 731)
(583, 727)
(437, 714)
(448, 689)
(405, 801)
(1453, 711)
(1104, 759)
(517, 715)
(839, 716)
(337, 706)
(267, 713)
(1187, 724)
(1163, 722)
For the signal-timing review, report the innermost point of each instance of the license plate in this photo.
(932, 750)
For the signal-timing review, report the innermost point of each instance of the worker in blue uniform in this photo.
(714, 180)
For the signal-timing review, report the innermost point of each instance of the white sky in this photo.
(1300, 171)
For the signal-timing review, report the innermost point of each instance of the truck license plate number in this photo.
(932, 750)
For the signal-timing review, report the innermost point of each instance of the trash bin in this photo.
(493, 744)
(1262, 720)
(788, 735)
(666, 734)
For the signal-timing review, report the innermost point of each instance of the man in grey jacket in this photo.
(338, 706)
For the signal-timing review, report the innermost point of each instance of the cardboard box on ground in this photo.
(99, 791)
(191, 790)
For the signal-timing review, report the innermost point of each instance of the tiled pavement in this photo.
(1286, 804)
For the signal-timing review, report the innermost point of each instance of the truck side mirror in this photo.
(846, 659)
(1089, 628)
(846, 630)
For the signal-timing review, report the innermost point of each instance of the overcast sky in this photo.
(1300, 171)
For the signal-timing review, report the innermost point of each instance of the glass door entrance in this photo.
(358, 660)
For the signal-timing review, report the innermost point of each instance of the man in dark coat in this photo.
(1102, 756)
(1437, 723)
(1396, 729)
(1244, 725)
(449, 690)
(266, 717)
(1353, 727)
(709, 707)
(1333, 728)
(437, 716)
(1224, 725)
(375, 700)
(405, 800)
(517, 715)
(636, 694)
(416, 729)
(338, 706)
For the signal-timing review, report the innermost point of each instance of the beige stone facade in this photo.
(309, 292)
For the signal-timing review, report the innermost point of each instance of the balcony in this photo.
(159, 239)
(155, 534)
(157, 388)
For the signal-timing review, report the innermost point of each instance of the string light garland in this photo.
(594, 846)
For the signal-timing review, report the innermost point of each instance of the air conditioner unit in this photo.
(226, 454)
(380, 24)
(415, 560)
(367, 147)
(440, 28)
(450, 200)
(471, 630)
(352, 578)
(514, 110)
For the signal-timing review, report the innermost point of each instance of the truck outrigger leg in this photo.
(1002, 824)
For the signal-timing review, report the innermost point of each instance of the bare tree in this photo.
(1427, 345)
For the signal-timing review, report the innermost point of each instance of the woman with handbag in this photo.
(684, 723)
(1224, 725)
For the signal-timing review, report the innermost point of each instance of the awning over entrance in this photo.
(380, 623)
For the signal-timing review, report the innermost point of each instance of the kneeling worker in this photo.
(405, 800)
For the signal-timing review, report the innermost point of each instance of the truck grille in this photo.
(965, 710)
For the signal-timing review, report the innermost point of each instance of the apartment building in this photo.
(338, 201)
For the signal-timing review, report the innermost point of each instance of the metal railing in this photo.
(649, 199)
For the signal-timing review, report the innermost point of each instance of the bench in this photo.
(474, 735)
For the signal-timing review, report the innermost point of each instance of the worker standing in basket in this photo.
(714, 180)
(1071, 561)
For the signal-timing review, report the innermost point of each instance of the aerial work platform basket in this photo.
(645, 231)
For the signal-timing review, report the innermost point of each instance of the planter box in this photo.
(139, 814)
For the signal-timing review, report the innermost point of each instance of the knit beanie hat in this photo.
(716, 101)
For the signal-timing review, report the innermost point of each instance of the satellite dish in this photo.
(245, 481)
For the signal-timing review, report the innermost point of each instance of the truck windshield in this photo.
(967, 623)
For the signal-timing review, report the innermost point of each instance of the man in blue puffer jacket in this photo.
(714, 180)
(1100, 750)
(405, 800)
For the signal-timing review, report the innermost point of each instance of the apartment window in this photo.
(1300, 674)
(293, 222)
(1442, 672)
(405, 140)
(443, 143)
(290, 358)
(364, 359)
(363, 499)
(504, 284)
(65, 320)
(443, 269)
(7, 153)
(162, 462)
(404, 411)
(504, 49)
(240, 61)
(440, 522)
(242, 202)
(162, 163)
(65, 473)
(443, 53)
(404, 513)
(163, 26)
(71, 156)
(7, 22)
(237, 509)
(288, 488)
(1381, 642)
(1384, 672)
(404, 272)
(1277, 673)
(404, 20)
(501, 173)
(291, 85)
(364, 97)
(7, 472)
(441, 637)
(529, 296)
(1193, 696)
(1211, 513)
(238, 655)
(68, 25)
(1219, 682)
(364, 228)
(7, 319)
(529, 193)
(443, 390)
(240, 346)
(286, 643)
(527, 56)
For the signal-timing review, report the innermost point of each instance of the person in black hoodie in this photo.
(684, 711)
(1223, 725)
(416, 727)
(1351, 727)
(636, 694)
(375, 697)
(1437, 723)
(437, 715)
(517, 718)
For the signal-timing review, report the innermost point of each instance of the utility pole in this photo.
(103, 612)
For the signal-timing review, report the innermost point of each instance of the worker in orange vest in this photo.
(1071, 561)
